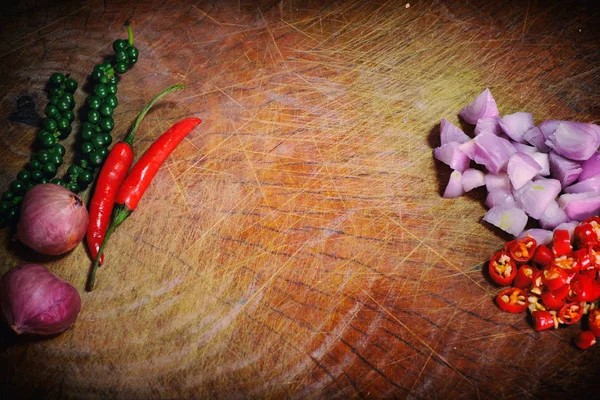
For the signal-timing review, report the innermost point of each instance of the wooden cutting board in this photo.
(296, 245)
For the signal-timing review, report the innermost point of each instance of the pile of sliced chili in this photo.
(559, 285)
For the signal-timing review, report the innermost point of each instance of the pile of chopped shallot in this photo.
(549, 172)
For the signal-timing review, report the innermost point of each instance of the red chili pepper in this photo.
(570, 313)
(554, 276)
(537, 284)
(594, 321)
(140, 177)
(582, 259)
(513, 300)
(584, 339)
(542, 320)
(524, 277)
(522, 250)
(543, 255)
(555, 299)
(561, 242)
(585, 235)
(111, 176)
(502, 268)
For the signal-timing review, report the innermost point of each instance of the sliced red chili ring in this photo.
(561, 243)
(582, 259)
(542, 320)
(584, 339)
(555, 299)
(585, 235)
(513, 300)
(502, 268)
(594, 321)
(543, 255)
(524, 276)
(537, 284)
(570, 313)
(521, 250)
(580, 289)
(554, 276)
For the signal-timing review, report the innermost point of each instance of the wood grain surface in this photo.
(296, 245)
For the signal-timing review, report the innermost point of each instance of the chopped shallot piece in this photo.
(484, 106)
(516, 125)
(544, 161)
(497, 181)
(509, 218)
(472, 178)
(591, 184)
(574, 140)
(499, 197)
(536, 195)
(450, 154)
(590, 167)
(491, 151)
(535, 137)
(454, 187)
(521, 168)
(451, 133)
(579, 206)
(488, 125)
(565, 170)
(553, 216)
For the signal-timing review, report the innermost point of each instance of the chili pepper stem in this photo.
(121, 213)
(131, 134)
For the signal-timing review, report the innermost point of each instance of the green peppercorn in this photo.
(70, 85)
(121, 68)
(49, 124)
(98, 140)
(69, 99)
(86, 147)
(107, 139)
(111, 100)
(85, 176)
(69, 115)
(30, 185)
(103, 152)
(17, 200)
(24, 175)
(86, 134)
(112, 89)
(96, 158)
(133, 54)
(57, 79)
(51, 111)
(121, 56)
(56, 91)
(93, 102)
(106, 110)
(56, 159)
(103, 79)
(8, 195)
(114, 80)
(17, 186)
(46, 139)
(120, 44)
(58, 181)
(100, 90)
(62, 124)
(63, 105)
(36, 175)
(73, 187)
(98, 72)
(13, 214)
(49, 169)
(44, 180)
(60, 149)
(53, 100)
(107, 124)
(93, 116)
(74, 170)
(33, 163)
(43, 156)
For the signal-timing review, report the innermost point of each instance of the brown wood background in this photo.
(296, 245)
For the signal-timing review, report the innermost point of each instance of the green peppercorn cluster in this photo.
(97, 118)
(44, 163)
(95, 133)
